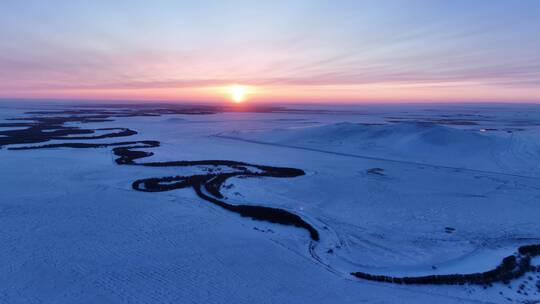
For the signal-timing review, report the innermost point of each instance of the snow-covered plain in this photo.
(394, 190)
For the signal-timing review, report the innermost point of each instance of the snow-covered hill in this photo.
(424, 142)
(386, 198)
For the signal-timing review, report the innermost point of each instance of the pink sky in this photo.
(306, 51)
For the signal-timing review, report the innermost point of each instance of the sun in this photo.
(238, 93)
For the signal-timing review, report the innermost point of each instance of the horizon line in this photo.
(265, 102)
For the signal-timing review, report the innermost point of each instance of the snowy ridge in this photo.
(418, 141)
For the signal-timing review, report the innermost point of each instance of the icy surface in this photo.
(455, 189)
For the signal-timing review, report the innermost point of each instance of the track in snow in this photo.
(40, 129)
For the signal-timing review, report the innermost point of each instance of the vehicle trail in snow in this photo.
(406, 162)
(40, 129)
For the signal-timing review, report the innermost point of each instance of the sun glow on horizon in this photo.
(238, 93)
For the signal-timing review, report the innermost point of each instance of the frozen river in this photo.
(393, 191)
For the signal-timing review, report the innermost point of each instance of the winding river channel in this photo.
(33, 133)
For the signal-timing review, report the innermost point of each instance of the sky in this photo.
(271, 51)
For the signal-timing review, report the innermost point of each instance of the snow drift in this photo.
(422, 142)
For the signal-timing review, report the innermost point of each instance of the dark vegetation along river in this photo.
(34, 131)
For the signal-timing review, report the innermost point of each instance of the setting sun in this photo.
(238, 93)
